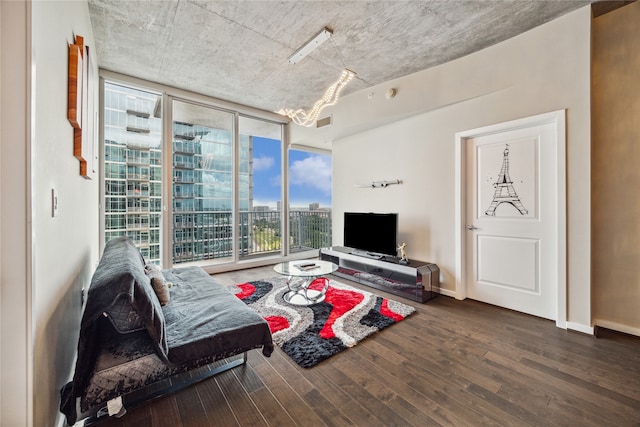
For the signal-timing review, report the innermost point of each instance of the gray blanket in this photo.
(120, 274)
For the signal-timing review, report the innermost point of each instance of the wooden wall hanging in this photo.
(78, 106)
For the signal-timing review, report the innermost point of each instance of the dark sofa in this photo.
(129, 343)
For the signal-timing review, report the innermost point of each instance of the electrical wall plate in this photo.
(54, 202)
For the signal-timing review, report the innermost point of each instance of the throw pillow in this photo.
(158, 283)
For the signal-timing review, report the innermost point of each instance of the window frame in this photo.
(166, 227)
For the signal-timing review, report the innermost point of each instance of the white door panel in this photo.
(511, 238)
(519, 273)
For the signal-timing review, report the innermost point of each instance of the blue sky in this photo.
(309, 175)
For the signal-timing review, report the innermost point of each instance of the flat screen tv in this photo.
(373, 233)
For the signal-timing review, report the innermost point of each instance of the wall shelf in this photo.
(380, 184)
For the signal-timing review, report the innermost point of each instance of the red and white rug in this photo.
(311, 334)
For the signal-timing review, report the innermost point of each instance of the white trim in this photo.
(166, 216)
(459, 212)
(579, 328)
(235, 195)
(558, 118)
(284, 191)
(101, 178)
(617, 327)
(446, 292)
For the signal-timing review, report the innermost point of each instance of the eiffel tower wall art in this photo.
(508, 177)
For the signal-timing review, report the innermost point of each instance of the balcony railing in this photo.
(309, 230)
(260, 233)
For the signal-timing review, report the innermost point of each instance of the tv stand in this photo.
(366, 254)
(417, 280)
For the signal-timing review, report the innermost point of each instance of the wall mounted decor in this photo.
(505, 192)
(508, 179)
(379, 184)
(74, 106)
(80, 105)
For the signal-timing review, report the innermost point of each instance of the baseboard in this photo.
(579, 327)
(617, 327)
(446, 292)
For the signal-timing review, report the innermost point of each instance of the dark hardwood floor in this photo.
(452, 363)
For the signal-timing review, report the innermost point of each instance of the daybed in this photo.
(129, 343)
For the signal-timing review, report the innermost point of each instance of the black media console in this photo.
(417, 280)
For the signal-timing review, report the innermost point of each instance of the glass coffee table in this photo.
(300, 275)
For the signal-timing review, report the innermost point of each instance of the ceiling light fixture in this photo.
(311, 45)
(308, 118)
(331, 95)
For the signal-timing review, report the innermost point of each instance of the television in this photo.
(372, 234)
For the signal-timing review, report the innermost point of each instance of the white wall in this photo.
(545, 69)
(45, 260)
(67, 246)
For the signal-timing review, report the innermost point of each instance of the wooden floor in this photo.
(452, 363)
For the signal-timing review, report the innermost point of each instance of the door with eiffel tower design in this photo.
(505, 191)
(497, 163)
(511, 219)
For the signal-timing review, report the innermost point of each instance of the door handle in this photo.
(471, 227)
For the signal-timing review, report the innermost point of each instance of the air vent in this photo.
(323, 122)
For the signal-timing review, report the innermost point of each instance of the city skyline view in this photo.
(206, 223)
(309, 176)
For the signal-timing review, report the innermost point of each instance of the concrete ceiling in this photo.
(238, 50)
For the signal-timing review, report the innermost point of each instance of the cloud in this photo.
(263, 163)
(265, 202)
(313, 171)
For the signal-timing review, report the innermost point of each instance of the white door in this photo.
(511, 218)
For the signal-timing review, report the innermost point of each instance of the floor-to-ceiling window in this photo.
(309, 178)
(212, 188)
(132, 167)
(202, 151)
(260, 188)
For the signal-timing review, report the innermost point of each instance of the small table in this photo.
(300, 278)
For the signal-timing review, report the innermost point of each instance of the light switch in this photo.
(54, 202)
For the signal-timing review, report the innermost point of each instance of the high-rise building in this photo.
(202, 192)
(202, 175)
(132, 167)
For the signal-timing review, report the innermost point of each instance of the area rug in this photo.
(311, 334)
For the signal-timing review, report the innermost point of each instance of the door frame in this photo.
(558, 119)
